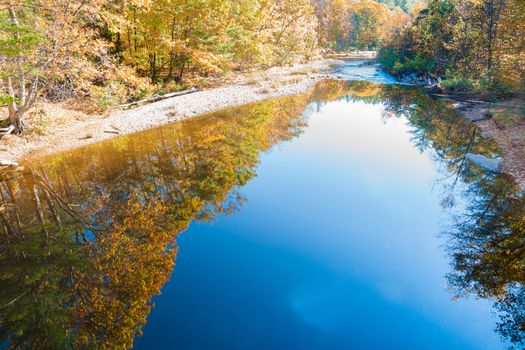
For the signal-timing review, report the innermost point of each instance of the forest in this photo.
(103, 52)
(89, 238)
(154, 186)
(472, 45)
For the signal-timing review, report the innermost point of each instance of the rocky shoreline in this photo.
(79, 130)
(508, 132)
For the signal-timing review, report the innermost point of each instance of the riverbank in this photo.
(505, 123)
(64, 129)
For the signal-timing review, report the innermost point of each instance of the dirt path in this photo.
(77, 129)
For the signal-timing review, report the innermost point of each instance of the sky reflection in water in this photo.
(337, 247)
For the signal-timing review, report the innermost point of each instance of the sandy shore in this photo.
(78, 130)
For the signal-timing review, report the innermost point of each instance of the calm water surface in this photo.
(347, 218)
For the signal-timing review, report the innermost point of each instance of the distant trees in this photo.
(359, 24)
(103, 52)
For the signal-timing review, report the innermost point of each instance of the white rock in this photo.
(491, 164)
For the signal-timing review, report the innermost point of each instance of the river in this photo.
(345, 218)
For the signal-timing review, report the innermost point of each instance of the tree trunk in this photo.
(153, 67)
(17, 119)
(179, 76)
(490, 38)
(22, 97)
(172, 52)
(493, 10)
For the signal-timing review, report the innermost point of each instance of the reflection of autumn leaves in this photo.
(121, 205)
(487, 242)
(129, 264)
(333, 90)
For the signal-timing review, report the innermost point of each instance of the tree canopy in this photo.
(472, 44)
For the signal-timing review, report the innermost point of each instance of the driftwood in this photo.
(352, 54)
(8, 163)
(157, 98)
(454, 97)
(15, 299)
(116, 128)
(7, 131)
(493, 103)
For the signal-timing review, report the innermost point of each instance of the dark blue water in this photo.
(337, 247)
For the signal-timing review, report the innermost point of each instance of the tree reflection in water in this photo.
(89, 237)
(486, 243)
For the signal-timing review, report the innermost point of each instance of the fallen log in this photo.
(157, 98)
(454, 97)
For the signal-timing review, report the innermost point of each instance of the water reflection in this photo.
(90, 236)
(487, 241)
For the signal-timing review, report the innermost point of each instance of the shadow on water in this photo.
(88, 237)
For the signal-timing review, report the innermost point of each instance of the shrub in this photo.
(457, 84)
(421, 64)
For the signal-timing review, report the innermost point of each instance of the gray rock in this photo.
(460, 105)
(491, 164)
(478, 115)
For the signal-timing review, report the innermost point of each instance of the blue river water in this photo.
(337, 247)
(347, 217)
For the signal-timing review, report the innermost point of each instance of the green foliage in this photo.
(16, 39)
(457, 84)
(421, 64)
(400, 65)
(475, 45)
(5, 100)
